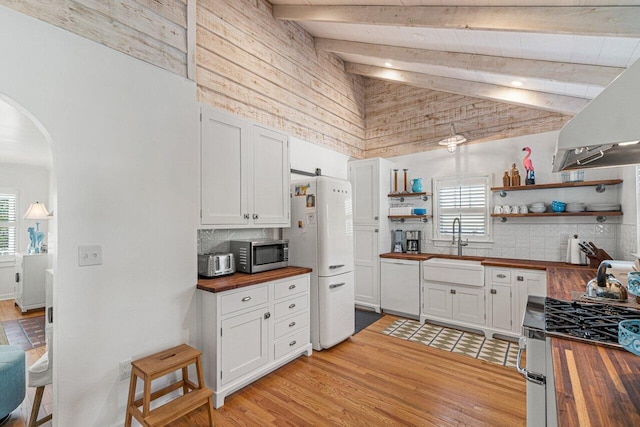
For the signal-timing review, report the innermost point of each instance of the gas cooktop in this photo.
(595, 323)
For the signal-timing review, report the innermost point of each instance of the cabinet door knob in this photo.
(493, 291)
(453, 291)
(267, 315)
(246, 216)
(292, 305)
(255, 216)
(520, 279)
(245, 299)
(501, 276)
(375, 217)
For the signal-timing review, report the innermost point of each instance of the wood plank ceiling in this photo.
(551, 55)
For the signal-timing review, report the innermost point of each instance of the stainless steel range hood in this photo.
(606, 132)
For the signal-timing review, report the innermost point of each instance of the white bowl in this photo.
(537, 209)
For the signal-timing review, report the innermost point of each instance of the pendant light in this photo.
(452, 141)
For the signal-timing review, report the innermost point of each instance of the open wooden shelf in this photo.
(408, 194)
(402, 218)
(531, 214)
(560, 185)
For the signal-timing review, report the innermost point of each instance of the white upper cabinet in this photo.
(364, 176)
(244, 173)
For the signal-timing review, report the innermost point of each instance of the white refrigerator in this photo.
(321, 238)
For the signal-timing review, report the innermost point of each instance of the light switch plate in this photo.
(89, 255)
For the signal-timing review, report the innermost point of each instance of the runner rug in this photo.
(25, 333)
(496, 351)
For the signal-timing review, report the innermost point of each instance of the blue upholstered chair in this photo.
(12, 380)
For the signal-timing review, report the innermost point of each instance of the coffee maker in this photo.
(413, 242)
(398, 241)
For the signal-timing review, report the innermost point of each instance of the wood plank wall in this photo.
(267, 70)
(402, 119)
(154, 31)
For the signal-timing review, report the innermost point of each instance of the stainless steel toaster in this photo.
(216, 264)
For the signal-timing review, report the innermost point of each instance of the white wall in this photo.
(306, 156)
(125, 152)
(531, 238)
(32, 183)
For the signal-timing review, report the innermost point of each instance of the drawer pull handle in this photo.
(292, 324)
(501, 276)
(336, 285)
(292, 286)
(292, 343)
(453, 291)
(493, 291)
(291, 305)
(520, 279)
(245, 299)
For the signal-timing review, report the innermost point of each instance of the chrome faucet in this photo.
(453, 232)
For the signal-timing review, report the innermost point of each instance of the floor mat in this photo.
(25, 333)
(496, 351)
(365, 318)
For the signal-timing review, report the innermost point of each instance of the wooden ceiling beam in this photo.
(528, 98)
(516, 67)
(621, 21)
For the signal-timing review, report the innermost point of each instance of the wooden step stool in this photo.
(156, 366)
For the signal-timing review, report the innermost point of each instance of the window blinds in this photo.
(8, 222)
(465, 199)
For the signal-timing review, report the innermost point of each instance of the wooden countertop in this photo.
(239, 280)
(487, 261)
(595, 385)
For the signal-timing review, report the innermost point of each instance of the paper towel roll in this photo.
(574, 255)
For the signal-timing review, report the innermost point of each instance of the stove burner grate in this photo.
(586, 321)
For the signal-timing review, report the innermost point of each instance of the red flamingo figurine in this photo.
(528, 166)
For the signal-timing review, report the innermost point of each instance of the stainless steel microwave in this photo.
(256, 255)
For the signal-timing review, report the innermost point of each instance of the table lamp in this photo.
(36, 211)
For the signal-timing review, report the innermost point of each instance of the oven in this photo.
(593, 323)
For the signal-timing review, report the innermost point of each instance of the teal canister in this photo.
(416, 185)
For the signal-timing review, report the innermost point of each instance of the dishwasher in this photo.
(400, 287)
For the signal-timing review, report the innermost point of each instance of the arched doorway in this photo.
(26, 177)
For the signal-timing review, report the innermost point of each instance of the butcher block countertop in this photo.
(239, 280)
(487, 261)
(595, 385)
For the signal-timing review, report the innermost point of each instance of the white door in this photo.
(400, 286)
(364, 177)
(336, 309)
(335, 226)
(243, 344)
(468, 305)
(500, 307)
(271, 172)
(437, 300)
(224, 168)
(366, 266)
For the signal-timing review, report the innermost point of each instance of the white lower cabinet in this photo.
(509, 290)
(460, 304)
(249, 332)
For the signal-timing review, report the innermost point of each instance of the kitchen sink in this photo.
(453, 271)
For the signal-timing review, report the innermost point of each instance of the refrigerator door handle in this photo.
(333, 267)
(336, 285)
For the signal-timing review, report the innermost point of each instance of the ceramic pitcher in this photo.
(416, 185)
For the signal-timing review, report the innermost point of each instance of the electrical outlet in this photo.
(124, 368)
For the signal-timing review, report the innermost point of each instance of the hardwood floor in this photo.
(369, 380)
(19, 417)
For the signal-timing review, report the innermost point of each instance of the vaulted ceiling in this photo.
(554, 55)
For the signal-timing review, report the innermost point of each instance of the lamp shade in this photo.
(37, 210)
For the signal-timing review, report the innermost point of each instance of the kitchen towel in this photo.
(574, 254)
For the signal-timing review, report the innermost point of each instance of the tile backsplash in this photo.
(546, 242)
(218, 240)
